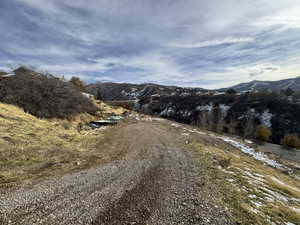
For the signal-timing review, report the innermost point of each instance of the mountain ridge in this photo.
(129, 91)
(292, 83)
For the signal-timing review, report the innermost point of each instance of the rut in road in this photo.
(153, 180)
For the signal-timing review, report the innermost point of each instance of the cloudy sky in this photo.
(201, 43)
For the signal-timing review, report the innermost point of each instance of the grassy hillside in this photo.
(33, 148)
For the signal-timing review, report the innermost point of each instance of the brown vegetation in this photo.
(263, 133)
(78, 83)
(291, 141)
(32, 148)
(44, 95)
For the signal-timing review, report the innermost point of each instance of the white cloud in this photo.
(159, 40)
(229, 40)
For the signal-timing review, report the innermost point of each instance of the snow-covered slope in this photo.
(293, 83)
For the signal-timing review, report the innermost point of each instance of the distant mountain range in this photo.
(292, 83)
(126, 91)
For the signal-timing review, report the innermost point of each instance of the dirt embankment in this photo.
(151, 178)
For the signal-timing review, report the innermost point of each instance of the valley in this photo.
(153, 159)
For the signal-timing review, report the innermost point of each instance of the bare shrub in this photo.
(44, 95)
(78, 83)
(291, 141)
(263, 133)
(223, 162)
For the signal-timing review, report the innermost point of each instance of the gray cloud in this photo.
(194, 42)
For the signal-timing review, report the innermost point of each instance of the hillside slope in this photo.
(44, 95)
(125, 91)
(32, 147)
(153, 171)
(256, 85)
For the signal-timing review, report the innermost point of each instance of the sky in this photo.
(194, 43)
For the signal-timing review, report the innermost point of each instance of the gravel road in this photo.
(154, 181)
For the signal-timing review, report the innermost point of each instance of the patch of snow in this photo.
(230, 180)
(254, 179)
(254, 210)
(257, 204)
(152, 119)
(258, 175)
(297, 210)
(289, 223)
(185, 94)
(102, 128)
(249, 142)
(175, 125)
(219, 93)
(283, 184)
(228, 171)
(115, 118)
(224, 109)
(87, 95)
(207, 108)
(185, 134)
(265, 118)
(252, 196)
(185, 113)
(275, 195)
(193, 131)
(168, 111)
(295, 199)
(257, 155)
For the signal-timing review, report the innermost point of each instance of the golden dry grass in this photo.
(244, 186)
(32, 148)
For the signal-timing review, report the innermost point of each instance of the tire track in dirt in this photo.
(154, 182)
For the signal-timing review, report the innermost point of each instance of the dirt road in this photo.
(152, 179)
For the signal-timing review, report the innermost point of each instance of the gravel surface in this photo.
(156, 182)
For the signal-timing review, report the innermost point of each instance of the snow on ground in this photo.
(168, 111)
(266, 118)
(250, 151)
(175, 125)
(249, 142)
(205, 107)
(244, 148)
(224, 109)
(193, 131)
(284, 184)
(152, 119)
(255, 185)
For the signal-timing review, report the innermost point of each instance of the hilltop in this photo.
(256, 85)
(109, 91)
(125, 91)
(44, 95)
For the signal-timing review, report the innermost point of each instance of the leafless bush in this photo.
(263, 133)
(291, 141)
(44, 96)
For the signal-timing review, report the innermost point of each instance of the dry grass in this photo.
(32, 148)
(238, 181)
(110, 109)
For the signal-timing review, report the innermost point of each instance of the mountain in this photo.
(233, 114)
(125, 91)
(256, 85)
